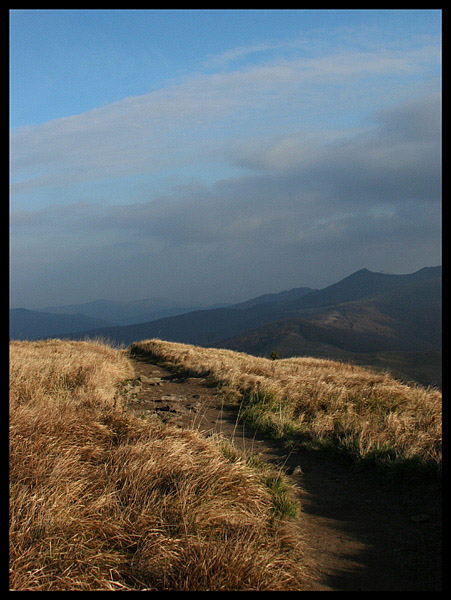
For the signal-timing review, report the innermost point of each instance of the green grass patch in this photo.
(282, 491)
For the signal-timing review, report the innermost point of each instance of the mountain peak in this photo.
(363, 271)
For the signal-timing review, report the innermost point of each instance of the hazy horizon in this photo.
(211, 156)
(205, 304)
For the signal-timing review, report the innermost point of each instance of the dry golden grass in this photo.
(366, 414)
(103, 501)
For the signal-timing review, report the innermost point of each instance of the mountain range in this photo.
(50, 321)
(378, 319)
(127, 313)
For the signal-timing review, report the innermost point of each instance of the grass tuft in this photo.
(103, 501)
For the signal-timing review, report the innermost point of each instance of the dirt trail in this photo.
(358, 528)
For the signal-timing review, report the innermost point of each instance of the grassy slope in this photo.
(323, 403)
(103, 501)
(297, 337)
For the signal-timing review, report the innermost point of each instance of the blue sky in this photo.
(65, 62)
(216, 155)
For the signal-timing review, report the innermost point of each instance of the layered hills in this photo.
(31, 325)
(398, 329)
(126, 313)
(378, 319)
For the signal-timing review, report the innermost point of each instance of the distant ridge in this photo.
(363, 284)
(399, 330)
(208, 326)
(285, 296)
(365, 312)
(27, 324)
(125, 313)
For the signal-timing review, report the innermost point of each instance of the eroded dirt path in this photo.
(361, 532)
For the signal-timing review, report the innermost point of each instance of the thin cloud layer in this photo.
(309, 201)
(153, 131)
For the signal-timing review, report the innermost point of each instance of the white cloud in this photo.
(301, 190)
(189, 122)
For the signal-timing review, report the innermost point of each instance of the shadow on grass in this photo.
(366, 501)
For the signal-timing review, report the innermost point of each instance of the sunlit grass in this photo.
(103, 501)
(322, 404)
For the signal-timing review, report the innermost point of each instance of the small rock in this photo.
(173, 398)
(419, 518)
(151, 380)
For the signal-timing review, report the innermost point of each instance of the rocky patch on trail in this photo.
(152, 395)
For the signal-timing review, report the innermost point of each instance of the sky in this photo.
(215, 155)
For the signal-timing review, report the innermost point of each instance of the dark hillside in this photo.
(286, 296)
(364, 284)
(27, 324)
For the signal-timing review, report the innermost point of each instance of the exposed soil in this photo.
(361, 531)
